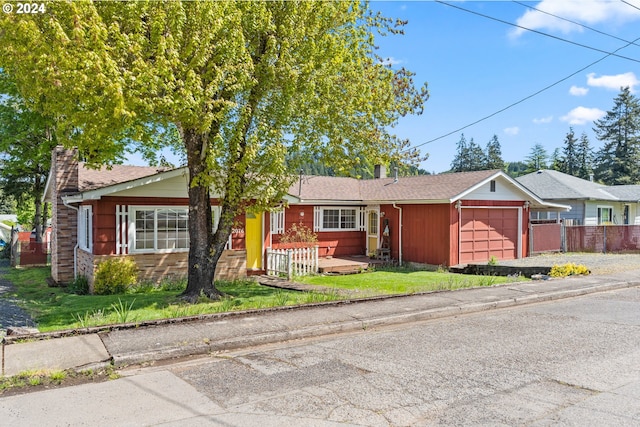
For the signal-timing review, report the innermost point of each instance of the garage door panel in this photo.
(488, 232)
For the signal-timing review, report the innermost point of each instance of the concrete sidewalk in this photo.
(240, 330)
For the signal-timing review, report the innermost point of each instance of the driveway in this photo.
(596, 262)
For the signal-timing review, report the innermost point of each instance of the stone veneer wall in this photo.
(156, 267)
(64, 220)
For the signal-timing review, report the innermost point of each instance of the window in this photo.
(605, 215)
(334, 219)
(277, 221)
(85, 228)
(492, 186)
(161, 229)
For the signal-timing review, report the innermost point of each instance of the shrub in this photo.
(568, 269)
(115, 276)
(79, 286)
(299, 236)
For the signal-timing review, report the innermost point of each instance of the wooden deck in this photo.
(346, 264)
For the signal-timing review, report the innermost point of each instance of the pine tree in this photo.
(461, 160)
(618, 162)
(477, 158)
(584, 156)
(557, 161)
(537, 159)
(569, 162)
(494, 154)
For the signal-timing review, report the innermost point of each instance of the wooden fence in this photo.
(292, 262)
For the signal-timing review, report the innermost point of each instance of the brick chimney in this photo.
(379, 172)
(64, 220)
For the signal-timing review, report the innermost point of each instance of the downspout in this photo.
(399, 233)
(75, 248)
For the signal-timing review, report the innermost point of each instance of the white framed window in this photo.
(333, 218)
(605, 215)
(276, 221)
(216, 214)
(160, 229)
(85, 228)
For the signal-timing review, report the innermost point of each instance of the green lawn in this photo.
(58, 308)
(404, 281)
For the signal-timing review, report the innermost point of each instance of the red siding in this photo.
(391, 215)
(426, 234)
(104, 220)
(331, 243)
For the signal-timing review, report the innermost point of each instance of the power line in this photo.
(538, 32)
(527, 97)
(632, 5)
(575, 22)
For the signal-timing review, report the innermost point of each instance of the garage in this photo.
(487, 232)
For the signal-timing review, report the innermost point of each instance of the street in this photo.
(570, 362)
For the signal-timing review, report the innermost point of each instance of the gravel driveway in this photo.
(597, 263)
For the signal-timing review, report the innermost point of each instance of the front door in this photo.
(373, 229)
(253, 240)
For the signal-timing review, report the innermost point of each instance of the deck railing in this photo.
(292, 262)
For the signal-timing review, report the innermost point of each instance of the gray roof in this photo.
(554, 185)
(422, 187)
(626, 193)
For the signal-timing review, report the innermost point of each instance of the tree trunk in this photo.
(203, 254)
(37, 219)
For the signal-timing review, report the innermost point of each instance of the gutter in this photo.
(75, 248)
(399, 233)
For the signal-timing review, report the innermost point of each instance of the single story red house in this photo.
(141, 212)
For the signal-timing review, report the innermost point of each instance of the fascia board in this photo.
(128, 185)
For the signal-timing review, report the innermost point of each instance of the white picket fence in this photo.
(290, 262)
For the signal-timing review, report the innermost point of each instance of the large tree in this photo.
(26, 140)
(618, 162)
(246, 84)
(494, 154)
(537, 158)
(584, 155)
(570, 162)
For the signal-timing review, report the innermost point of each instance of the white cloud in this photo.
(391, 61)
(614, 82)
(582, 115)
(587, 12)
(543, 120)
(512, 130)
(578, 91)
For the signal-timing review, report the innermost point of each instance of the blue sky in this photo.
(476, 66)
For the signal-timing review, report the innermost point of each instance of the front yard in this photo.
(58, 308)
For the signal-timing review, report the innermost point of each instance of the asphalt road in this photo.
(568, 362)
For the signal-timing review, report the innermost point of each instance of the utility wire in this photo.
(528, 97)
(608, 54)
(538, 32)
(632, 5)
(574, 22)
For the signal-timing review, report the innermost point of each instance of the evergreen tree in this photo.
(494, 154)
(461, 160)
(557, 161)
(584, 156)
(515, 169)
(477, 158)
(537, 159)
(569, 163)
(618, 162)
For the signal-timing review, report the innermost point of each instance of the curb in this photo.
(314, 331)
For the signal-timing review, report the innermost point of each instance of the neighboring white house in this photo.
(591, 203)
